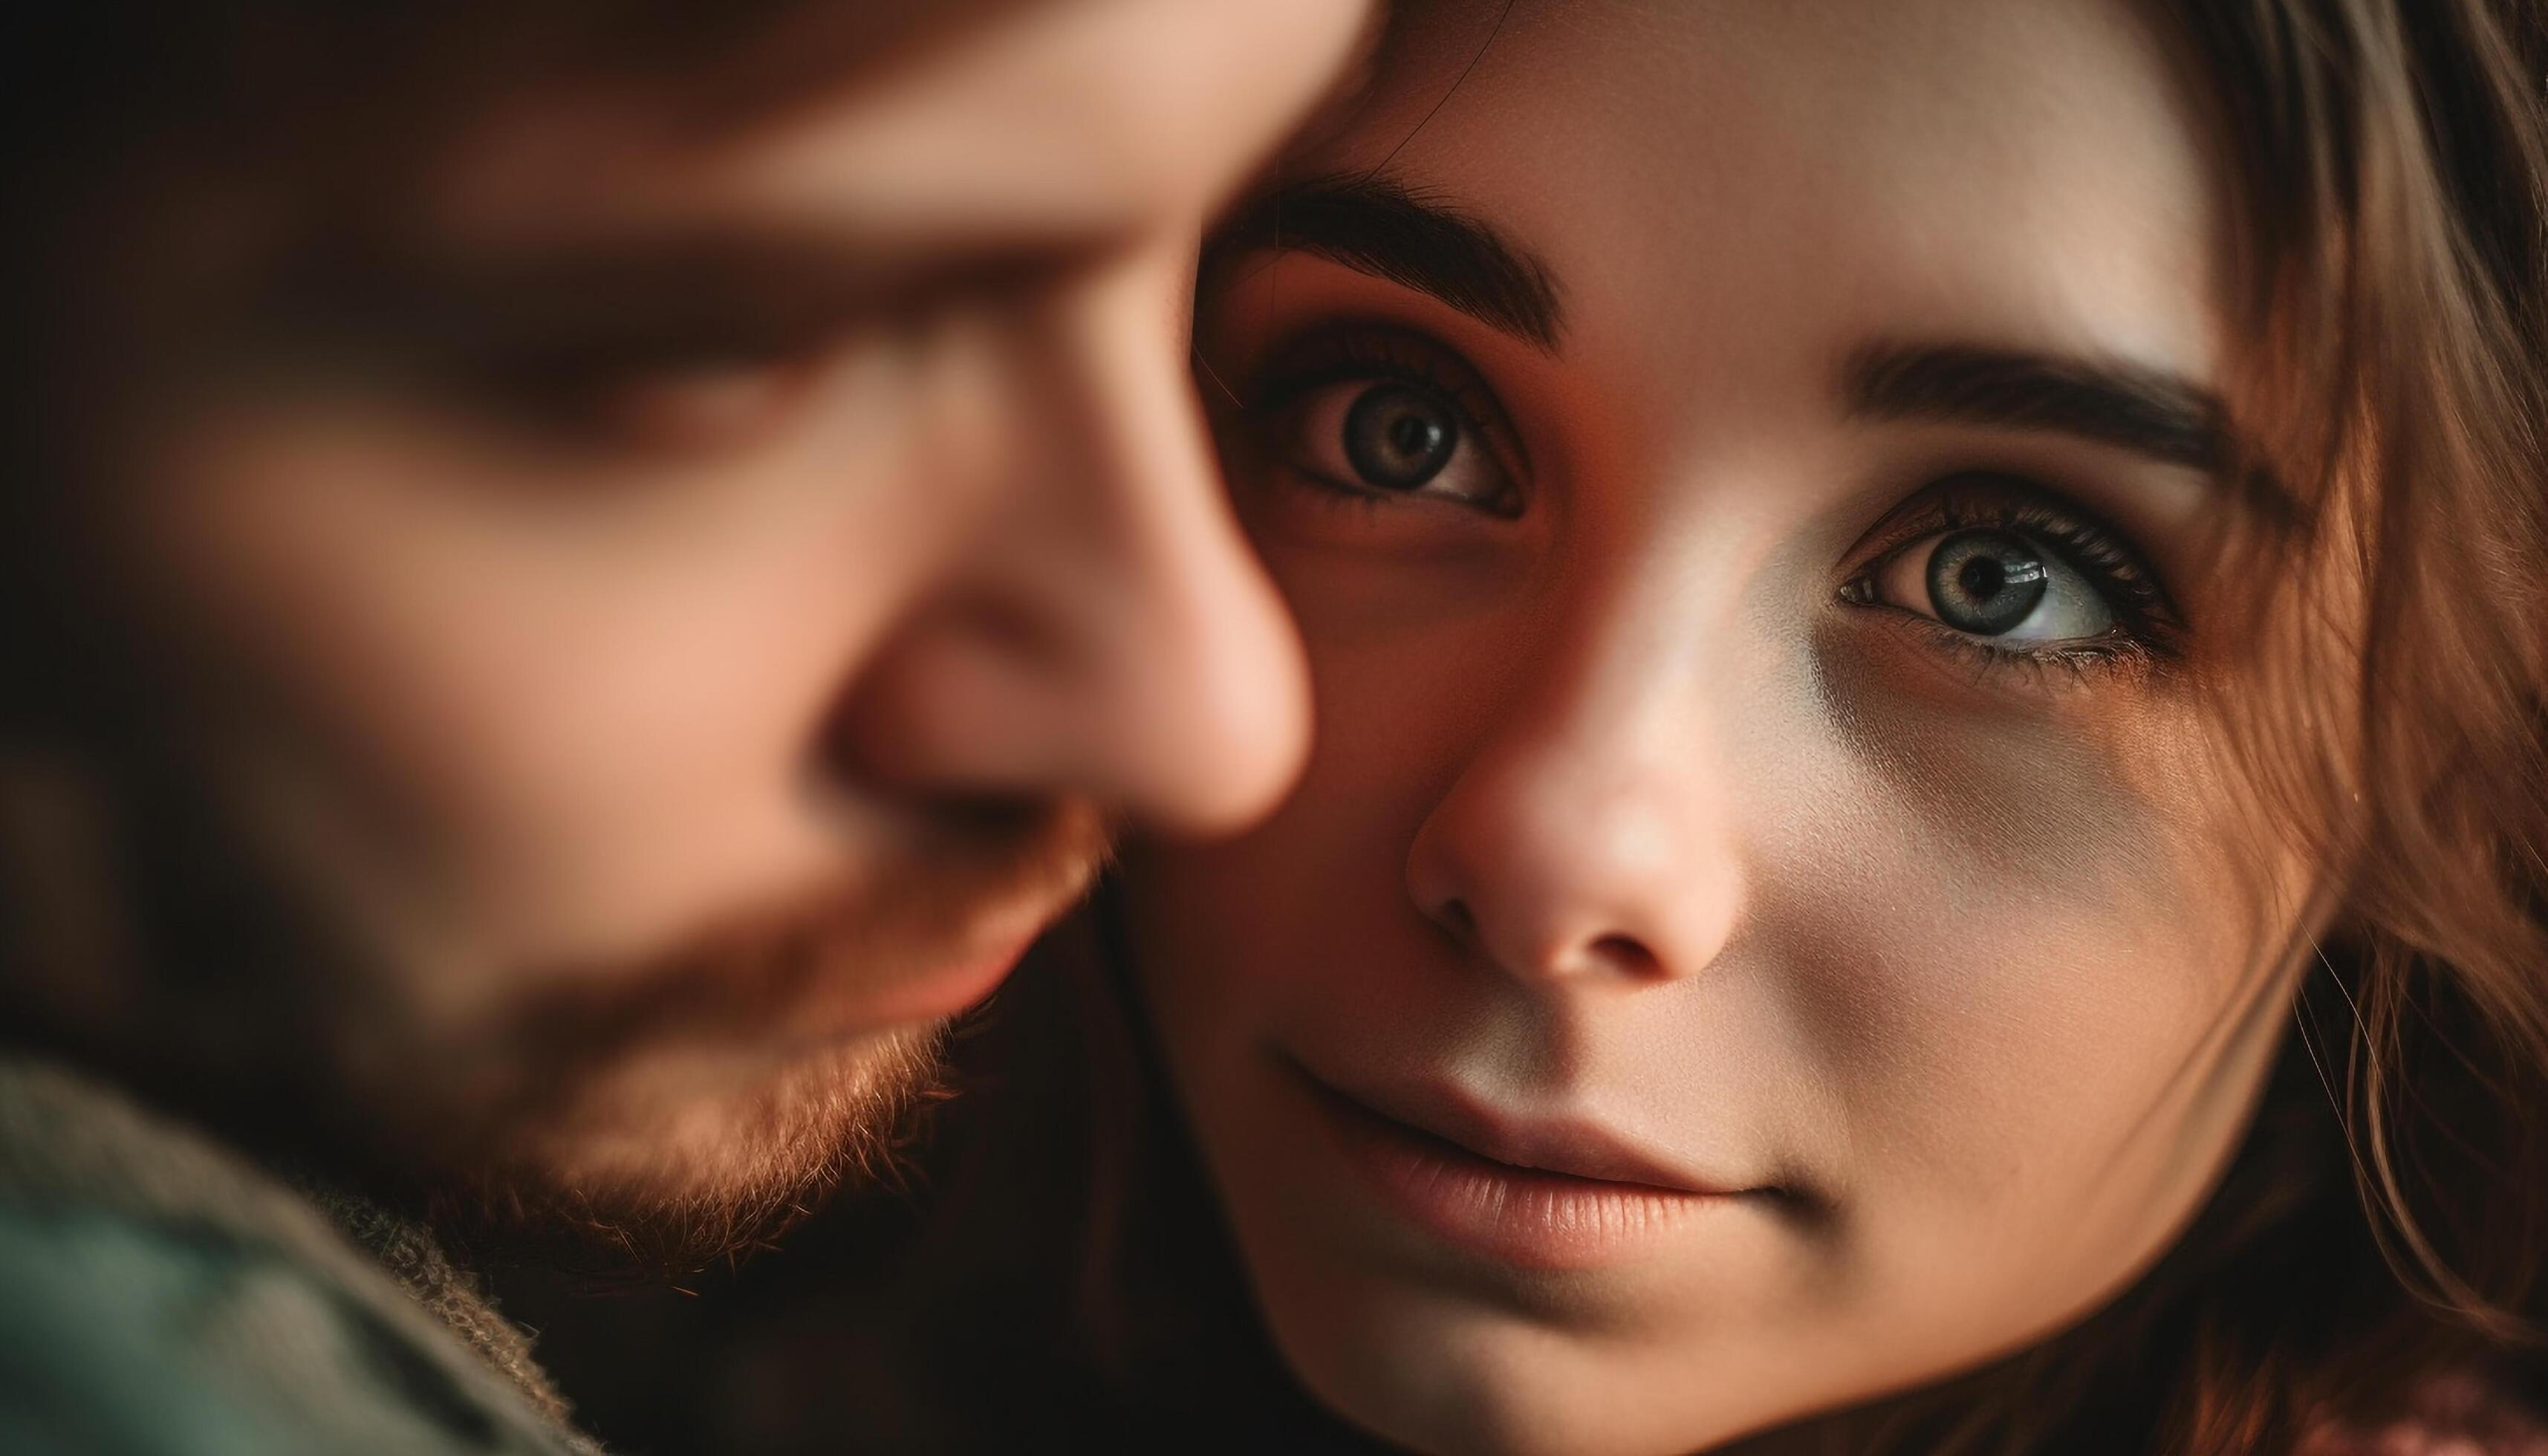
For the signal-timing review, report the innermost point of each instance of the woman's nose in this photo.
(1585, 848)
(1108, 633)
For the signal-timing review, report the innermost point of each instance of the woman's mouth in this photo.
(1536, 1194)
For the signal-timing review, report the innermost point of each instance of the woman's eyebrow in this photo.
(1380, 227)
(2151, 411)
(2156, 412)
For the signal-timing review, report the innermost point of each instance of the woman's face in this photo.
(1766, 924)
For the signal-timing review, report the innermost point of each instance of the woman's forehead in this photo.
(1797, 179)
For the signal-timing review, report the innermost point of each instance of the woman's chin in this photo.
(1456, 1383)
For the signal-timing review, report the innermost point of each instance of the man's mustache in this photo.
(750, 981)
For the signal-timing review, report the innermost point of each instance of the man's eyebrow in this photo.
(706, 289)
(1376, 226)
(2149, 412)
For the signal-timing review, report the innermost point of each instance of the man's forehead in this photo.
(1060, 122)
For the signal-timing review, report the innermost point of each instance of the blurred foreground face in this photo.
(1764, 924)
(679, 601)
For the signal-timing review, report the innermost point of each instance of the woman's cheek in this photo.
(2016, 952)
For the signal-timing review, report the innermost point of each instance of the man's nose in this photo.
(1104, 629)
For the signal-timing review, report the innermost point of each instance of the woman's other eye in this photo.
(1391, 438)
(1993, 583)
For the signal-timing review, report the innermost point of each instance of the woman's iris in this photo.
(1397, 438)
(1986, 582)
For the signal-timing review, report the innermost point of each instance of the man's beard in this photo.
(663, 1119)
(620, 1195)
(644, 1119)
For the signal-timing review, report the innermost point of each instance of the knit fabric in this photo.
(160, 1295)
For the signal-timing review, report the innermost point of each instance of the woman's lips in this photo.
(1533, 1194)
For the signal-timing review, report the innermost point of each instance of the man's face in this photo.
(684, 600)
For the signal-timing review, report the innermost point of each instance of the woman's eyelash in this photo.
(2148, 629)
(2043, 662)
(1350, 354)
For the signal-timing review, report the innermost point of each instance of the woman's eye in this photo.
(1389, 437)
(1989, 582)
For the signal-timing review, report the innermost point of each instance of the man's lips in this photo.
(944, 988)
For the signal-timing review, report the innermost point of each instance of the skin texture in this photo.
(1660, 801)
(681, 613)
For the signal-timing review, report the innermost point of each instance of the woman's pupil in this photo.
(1398, 438)
(1983, 578)
(1412, 435)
